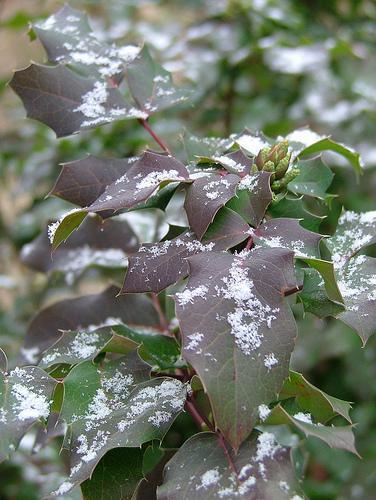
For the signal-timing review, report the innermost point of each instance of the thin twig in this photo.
(249, 243)
(157, 139)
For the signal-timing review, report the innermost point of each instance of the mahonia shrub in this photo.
(201, 332)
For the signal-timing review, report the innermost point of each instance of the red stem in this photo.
(226, 452)
(291, 291)
(162, 318)
(249, 243)
(157, 139)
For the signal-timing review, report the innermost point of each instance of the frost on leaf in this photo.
(116, 409)
(96, 244)
(205, 197)
(82, 181)
(340, 437)
(356, 274)
(288, 233)
(140, 182)
(68, 38)
(237, 329)
(71, 102)
(158, 265)
(25, 397)
(201, 469)
(82, 312)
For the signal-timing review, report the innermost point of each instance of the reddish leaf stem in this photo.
(157, 139)
(249, 243)
(202, 421)
(195, 413)
(228, 456)
(162, 317)
(291, 291)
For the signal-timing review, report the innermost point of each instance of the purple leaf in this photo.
(204, 469)
(288, 233)
(205, 197)
(238, 332)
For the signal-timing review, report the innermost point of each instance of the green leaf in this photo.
(295, 208)
(341, 438)
(326, 269)
(65, 227)
(313, 180)
(203, 468)
(314, 296)
(109, 407)
(305, 142)
(116, 476)
(25, 398)
(160, 351)
(311, 399)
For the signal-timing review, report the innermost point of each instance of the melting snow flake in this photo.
(270, 360)
(29, 405)
(209, 478)
(188, 295)
(304, 417)
(263, 412)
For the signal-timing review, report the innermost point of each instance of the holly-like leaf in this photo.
(356, 274)
(68, 102)
(314, 296)
(341, 437)
(354, 232)
(195, 146)
(288, 233)
(89, 312)
(305, 142)
(106, 413)
(117, 475)
(205, 196)
(357, 282)
(73, 347)
(98, 243)
(238, 332)
(82, 181)
(252, 198)
(68, 38)
(312, 400)
(295, 208)
(25, 398)
(137, 185)
(203, 468)
(235, 162)
(227, 230)
(157, 265)
(314, 179)
(160, 351)
(140, 182)
(151, 85)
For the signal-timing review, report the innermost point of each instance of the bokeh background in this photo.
(262, 64)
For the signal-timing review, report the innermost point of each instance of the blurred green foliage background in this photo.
(263, 64)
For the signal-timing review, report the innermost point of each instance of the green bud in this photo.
(290, 175)
(262, 158)
(254, 168)
(276, 186)
(269, 166)
(282, 167)
(279, 151)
